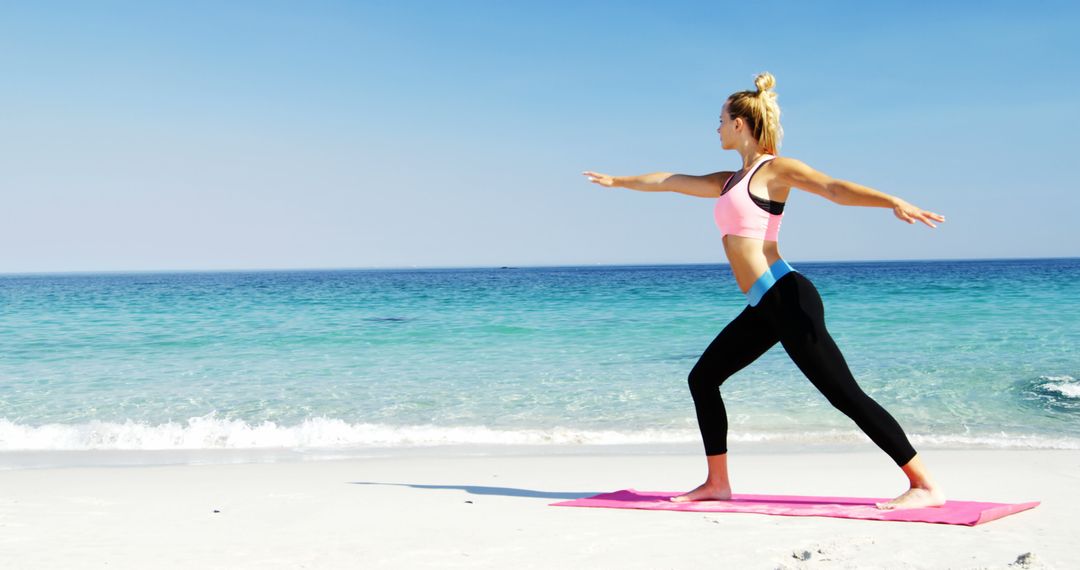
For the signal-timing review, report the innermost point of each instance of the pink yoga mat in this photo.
(968, 513)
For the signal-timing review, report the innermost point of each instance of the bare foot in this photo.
(915, 498)
(704, 492)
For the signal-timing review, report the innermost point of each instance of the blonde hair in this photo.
(760, 111)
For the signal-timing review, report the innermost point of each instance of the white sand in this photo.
(451, 509)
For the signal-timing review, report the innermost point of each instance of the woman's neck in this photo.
(751, 155)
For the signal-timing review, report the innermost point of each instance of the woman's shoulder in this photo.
(787, 168)
(786, 163)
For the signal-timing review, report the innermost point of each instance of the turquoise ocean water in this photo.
(962, 353)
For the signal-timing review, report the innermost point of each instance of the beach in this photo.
(430, 418)
(477, 507)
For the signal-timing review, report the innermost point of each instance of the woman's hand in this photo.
(601, 179)
(707, 186)
(911, 214)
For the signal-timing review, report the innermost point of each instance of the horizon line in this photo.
(462, 267)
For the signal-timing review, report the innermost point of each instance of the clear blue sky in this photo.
(241, 135)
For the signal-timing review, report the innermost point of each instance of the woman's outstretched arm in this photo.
(797, 174)
(707, 186)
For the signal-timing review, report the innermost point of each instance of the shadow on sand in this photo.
(481, 490)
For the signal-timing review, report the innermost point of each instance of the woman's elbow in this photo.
(833, 191)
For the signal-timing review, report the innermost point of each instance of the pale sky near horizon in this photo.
(249, 135)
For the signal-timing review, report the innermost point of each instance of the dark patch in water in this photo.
(690, 356)
(386, 319)
(1045, 393)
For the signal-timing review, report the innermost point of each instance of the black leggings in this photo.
(790, 313)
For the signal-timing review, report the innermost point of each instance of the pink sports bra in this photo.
(740, 213)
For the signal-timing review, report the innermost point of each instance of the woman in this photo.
(782, 305)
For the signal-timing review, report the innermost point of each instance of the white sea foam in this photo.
(208, 432)
(1065, 385)
(214, 433)
(1000, 440)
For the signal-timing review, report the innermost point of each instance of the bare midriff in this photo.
(749, 258)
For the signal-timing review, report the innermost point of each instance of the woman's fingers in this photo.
(929, 218)
(911, 214)
(598, 178)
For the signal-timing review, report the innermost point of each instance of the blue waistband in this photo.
(766, 281)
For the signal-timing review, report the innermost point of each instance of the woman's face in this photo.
(725, 129)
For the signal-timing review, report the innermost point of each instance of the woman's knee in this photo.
(702, 379)
(853, 403)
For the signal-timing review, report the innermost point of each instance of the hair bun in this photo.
(765, 82)
(760, 111)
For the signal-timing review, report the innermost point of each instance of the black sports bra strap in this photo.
(728, 185)
(769, 206)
